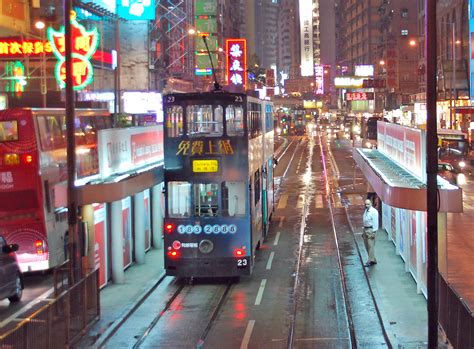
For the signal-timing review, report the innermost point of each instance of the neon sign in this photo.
(84, 44)
(236, 62)
(15, 73)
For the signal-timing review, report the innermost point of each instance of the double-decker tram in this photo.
(32, 162)
(218, 173)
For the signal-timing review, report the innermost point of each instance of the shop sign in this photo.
(84, 44)
(236, 62)
(359, 96)
(348, 82)
(306, 36)
(319, 79)
(135, 102)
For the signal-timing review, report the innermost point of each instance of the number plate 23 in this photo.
(242, 263)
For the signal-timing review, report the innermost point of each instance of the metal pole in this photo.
(431, 171)
(117, 104)
(453, 86)
(71, 150)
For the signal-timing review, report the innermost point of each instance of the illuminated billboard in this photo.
(136, 9)
(319, 79)
(306, 37)
(236, 62)
(205, 7)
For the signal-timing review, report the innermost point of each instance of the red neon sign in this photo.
(236, 62)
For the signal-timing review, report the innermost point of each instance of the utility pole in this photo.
(431, 172)
(74, 252)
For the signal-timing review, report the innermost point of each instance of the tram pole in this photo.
(74, 252)
(431, 172)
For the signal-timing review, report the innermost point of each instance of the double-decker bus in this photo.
(32, 161)
(218, 174)
(453, 147)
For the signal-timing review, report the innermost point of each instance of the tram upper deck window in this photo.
(206, 199)
(203, 121)
(174, 121)
(233, 199)
(179, 199)
(234, 119)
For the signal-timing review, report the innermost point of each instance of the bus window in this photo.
(233, 199)
(51, 132)
(234, 118)
(202, 121)
(174, 122)
(8, 131)
(179, 199)
(206, 199)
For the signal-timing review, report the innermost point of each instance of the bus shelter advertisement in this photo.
(100, 242)
(407, 230)
(404, 145)
(122, 150)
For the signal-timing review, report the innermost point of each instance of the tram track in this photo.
(213, 292)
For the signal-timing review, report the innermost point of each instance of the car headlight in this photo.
(368, 145)
(462, 164)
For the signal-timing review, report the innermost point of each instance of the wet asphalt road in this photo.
(298, 294)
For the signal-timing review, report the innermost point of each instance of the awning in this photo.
(397, 187)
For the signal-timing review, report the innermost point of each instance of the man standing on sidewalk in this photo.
(370, 221)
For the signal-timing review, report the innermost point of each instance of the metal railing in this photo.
(454, 316)
(60, 323)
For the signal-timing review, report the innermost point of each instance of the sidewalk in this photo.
(403, 311)
(118, 301)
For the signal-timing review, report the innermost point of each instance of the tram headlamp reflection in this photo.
(278, 130)
(462, 164)
(461, 179)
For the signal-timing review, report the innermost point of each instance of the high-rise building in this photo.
(288, 38)
(266, 21)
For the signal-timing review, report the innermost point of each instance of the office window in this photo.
(404, 32)
(404, 12)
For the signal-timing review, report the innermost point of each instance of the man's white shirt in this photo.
(371, 218)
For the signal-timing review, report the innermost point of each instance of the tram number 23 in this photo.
(242, 263)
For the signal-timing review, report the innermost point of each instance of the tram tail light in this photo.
(169, 228)
(28, 159)
(173, 254)
(39, 247)
(239, 252)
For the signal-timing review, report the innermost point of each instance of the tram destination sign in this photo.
(206, 166)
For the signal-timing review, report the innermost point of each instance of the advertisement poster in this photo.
(413, 249)
(100, 242)
(127, 232)
(387, 219)
(424, 243)
(394, 225)
(147, 219)
(401, 231)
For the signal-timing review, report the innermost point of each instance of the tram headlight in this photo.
(462, 164)
(173, 253)
(278, 130)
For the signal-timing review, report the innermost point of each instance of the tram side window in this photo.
(203, 121)
(179, 199)
(233, 199)
(206, 199)
(174, 121)
(234, 118)
(256, 187)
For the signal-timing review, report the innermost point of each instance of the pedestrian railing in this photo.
(455, 317)
(60, 323)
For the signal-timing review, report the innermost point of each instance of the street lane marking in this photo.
(318, 203)
(258, 300)
(281, 222)
(247, 334)
(276, 239)
(301, 201)
(283, 201)
(270, 260)
(41, 297)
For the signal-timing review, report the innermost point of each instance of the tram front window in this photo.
(234, 119)
(233, 199)
(206, 199)
(203, 121)
(179, 199)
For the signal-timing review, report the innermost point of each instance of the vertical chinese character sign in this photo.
(84, 45)
(236, 62)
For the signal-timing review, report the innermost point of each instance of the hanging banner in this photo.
(236, 62)
(306, 37)
(84, 45)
